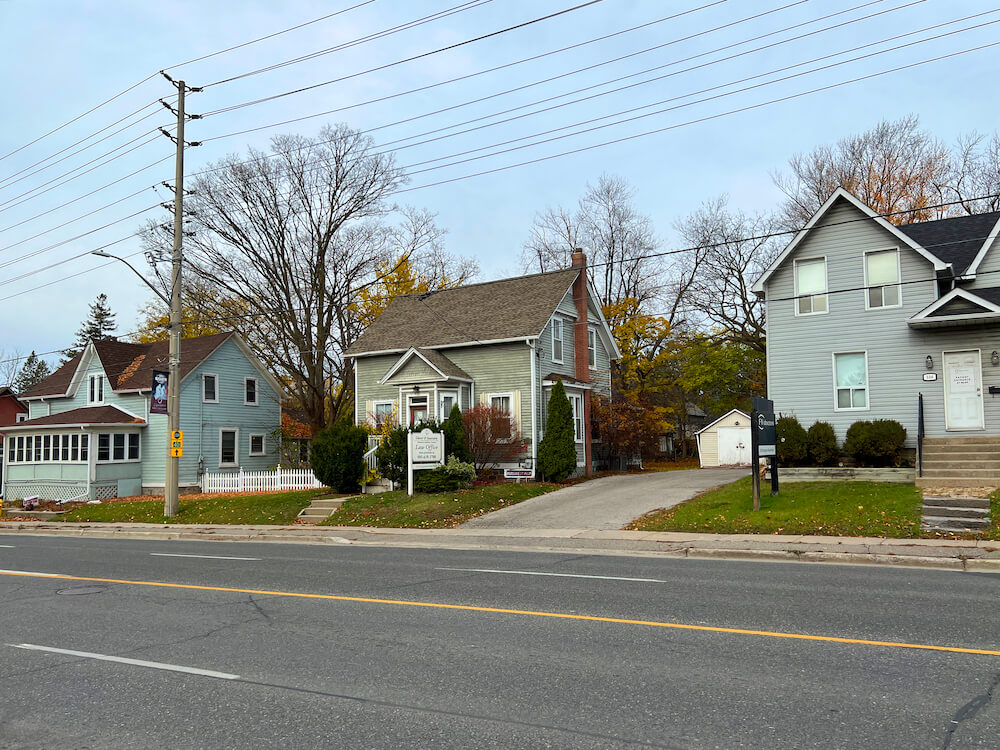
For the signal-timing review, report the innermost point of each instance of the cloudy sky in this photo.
(700, 101)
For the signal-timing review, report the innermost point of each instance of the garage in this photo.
(726, 441)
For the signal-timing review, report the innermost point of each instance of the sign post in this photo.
(425, 450)
(764, 444)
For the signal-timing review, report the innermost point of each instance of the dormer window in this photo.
(557, 340)
(95, 394)
(882, 279)
(810, 286)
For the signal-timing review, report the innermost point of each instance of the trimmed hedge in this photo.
(822, 444)
(337, 456)
(876, 443)
(453, 475)
(793, 449)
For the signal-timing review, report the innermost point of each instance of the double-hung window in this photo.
(882, 279)
(227, 448)
(576, 402)
(557, 340)
(257, 444)
(383, 413)
(210, 389)
(503, 419)
(250, 391)
(95, 394)
(850, 380)
(810, 286)
(592, 347)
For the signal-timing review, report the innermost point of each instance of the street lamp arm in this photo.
(156, 291)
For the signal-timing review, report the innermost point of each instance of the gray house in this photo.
(865, 318)
(89, 433)
(500, 343)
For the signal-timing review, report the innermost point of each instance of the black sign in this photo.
(764, 427)
(158, 399)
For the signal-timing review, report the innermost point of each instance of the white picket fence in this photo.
(260, 481)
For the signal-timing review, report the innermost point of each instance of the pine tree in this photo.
(33, 371)
(98, 326)
(557, 450)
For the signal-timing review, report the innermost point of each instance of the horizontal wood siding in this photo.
(370, 370)
(415, 370)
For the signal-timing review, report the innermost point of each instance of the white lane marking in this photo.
(123, 660)
(33, 573)
(557, 575)
(7, 546)
(204, 557)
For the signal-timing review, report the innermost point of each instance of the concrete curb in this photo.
(980, 556)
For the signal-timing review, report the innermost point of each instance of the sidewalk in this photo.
(951, 554)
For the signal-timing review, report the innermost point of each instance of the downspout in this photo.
(534, 408)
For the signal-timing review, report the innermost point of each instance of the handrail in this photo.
(920, 434)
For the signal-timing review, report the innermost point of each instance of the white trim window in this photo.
(810, 286)
(592, 348)
(250, 392)
(850, 381)
(228, 440)
(882, 274)
(95, 389)
(576, 402)
(383, 412)
(446, 401)
(209, 388)
(258, 444)
(558, 331)
(22, 417)
(502, 428)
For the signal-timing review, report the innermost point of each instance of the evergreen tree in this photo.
(33, 372)
(557, 450)
(454, 436)
(98, 326)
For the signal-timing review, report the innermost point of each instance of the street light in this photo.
(170, 489)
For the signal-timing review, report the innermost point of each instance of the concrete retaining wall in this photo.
(845, 474)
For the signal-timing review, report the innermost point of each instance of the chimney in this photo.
(581, 339)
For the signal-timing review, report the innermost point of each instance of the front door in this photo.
(963, 391)
(418, 410)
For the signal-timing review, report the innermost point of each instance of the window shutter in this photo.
(369, 413)
(515, 409)
(482, 399)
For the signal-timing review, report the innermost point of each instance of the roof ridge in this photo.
(432, 292)
(950, 218)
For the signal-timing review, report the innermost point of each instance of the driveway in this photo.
(606, 503)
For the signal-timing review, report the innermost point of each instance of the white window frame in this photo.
(576, 405)
(826, 284)
(236, 448)
(256, 392)
(21, 417)
(442, 414)
(99, 379)
(559, 323)
(592, 347)
(867, 389)
(263, 444)
(898, 284)
(208, 400)
(376, 404)
(511, 415)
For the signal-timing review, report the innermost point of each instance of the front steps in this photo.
(957, 515)
(972, 461)
(320, 509)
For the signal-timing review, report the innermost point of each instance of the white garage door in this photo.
(734, 446)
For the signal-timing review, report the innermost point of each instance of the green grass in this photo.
(876, 509)
(993, 531)
(270, 508)
(433, 510)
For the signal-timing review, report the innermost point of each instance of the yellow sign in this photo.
(176, 443)
(176, 452)
(177, 436)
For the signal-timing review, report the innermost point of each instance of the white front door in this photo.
(963, 390)
(734, 446)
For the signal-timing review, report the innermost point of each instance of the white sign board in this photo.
(425, 450)
(518, 473)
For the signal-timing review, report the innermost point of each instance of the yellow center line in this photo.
(505, 611)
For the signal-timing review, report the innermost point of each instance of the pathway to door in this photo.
(608, 502)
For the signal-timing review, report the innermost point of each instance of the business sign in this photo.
(518, 473)
(765, 427)
(158, 399)
(425, 450)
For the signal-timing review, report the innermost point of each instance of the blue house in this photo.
(89, 433)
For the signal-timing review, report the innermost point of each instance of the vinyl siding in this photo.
(800, 349)
(708, 441)
(416, 370)
(988, 274)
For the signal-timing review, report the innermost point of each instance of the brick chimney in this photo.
(581, 339)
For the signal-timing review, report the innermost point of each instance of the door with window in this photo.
(963, 390)
(418, 409)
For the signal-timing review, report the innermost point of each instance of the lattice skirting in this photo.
(61, 491)
(105, 491)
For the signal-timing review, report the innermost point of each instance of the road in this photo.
(356, 647)
(608, 502)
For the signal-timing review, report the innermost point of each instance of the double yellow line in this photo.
(522, 612)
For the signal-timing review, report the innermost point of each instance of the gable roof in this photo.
(716, 421)
(960, 307)
(444, 367)
(514, 308)
(958, 241)
(841, 194)
(89, 415)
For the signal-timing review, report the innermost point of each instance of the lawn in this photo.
(439, 510)
(261, 508)
(993, 532)
(876, 509)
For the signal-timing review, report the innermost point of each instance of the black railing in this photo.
(920, 434)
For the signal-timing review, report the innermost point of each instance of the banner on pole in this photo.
(158, 399)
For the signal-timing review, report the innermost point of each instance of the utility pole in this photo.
(171, 483)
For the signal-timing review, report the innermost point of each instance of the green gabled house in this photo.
(500, 343)
(90, 433)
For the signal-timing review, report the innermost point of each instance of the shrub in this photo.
(793, 448)
(491, 436)
(454, 436)
(391, 455)
(338, 456)
(876, 443)
(557, 450)
(453, 475)
(822, 444)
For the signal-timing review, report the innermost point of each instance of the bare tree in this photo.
(894, 167)
(10, 365)
(975, 175)
(292, 235)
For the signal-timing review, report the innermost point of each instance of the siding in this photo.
(988, 274)
(708, 441)
(799, 349)
(416, 370)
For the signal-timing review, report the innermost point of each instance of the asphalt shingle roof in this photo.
(955, 240)
(85, 415)
(504, 309)
(444, 364)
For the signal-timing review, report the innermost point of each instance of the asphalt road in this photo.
(401, 648)
(608, 502)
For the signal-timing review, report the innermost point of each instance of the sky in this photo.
(703, 125)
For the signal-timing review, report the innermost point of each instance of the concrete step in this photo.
(313, 517)
(991, 474)
(963, 440)
(976, 448)
(944, 511)
(959, 525)
(965, 462)
(983, 503)
(929, 483)
(332, 503)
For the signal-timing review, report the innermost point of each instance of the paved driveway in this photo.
(606, 503)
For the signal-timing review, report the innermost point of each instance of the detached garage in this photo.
(726, 441)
